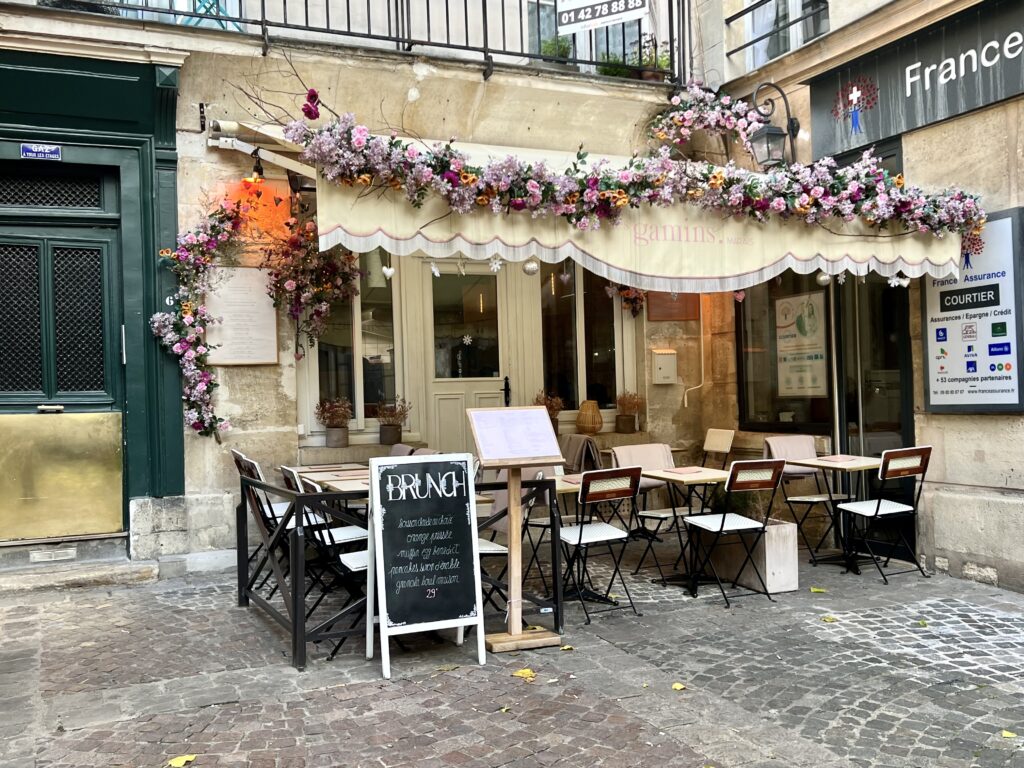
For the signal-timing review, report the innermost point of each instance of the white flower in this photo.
(841, 278)
(496, 264)
(467, 339)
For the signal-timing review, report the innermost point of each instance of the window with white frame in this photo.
(355, 356)
(792, 23)
(585, 337)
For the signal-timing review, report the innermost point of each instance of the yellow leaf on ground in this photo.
(532, 627)
(829, 619)
(922, 623)
(525, 673)
(504, 709)
(567, 648)
(1008, 734)
(180, 761)
(818, 590)
(447, 667)
(678, 687)
(644, 685)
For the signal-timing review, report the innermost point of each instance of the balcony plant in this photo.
(613, 66)
(630, 404)
(554, 405)
(391, 417)
(335, 415)
(653, 58)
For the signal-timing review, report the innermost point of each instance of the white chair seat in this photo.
(868, 508)
(817, 498)
(733, 522)
(794, 472)
(650, 484)
(355, 561)
(662, 514)
(348, 533)
(488, 547)
(591, 533)
(278, 508)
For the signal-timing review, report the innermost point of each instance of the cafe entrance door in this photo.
(61, 392)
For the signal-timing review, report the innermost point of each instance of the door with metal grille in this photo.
(61, 391)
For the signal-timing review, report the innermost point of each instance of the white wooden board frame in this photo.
(247, 333)
(375, 567)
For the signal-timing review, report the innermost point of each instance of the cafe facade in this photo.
(448, 321)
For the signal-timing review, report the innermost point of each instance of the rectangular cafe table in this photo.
(830, 467)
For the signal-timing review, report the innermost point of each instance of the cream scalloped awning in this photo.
(682, 249)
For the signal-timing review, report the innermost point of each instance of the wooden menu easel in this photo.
(513, 439)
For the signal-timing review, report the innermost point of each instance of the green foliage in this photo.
(557, 47)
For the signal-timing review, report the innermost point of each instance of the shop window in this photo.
(466, 326)
(582, 336)
(355, 357)
(791, 24)
(784, 368)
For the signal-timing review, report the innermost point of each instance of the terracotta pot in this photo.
(625, 425)
(589, 421)
(337, 437)
(390, 434)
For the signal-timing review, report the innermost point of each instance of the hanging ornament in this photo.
(389, 272)
(739, 295)
(841, 278)
(434, 269)
(531, 266)
(462, 267)
(496, 264)
(467, 339)
(565, 277)
(823, 278)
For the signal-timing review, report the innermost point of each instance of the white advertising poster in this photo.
(581, 15)
(971, 328)
(247, 333)
(801, 352)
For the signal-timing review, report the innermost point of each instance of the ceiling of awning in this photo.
(681, 249)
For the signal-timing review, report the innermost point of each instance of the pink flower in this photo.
(289, 285)
(779, 204)
(412, 153)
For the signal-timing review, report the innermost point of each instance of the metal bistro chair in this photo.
(615, 487)
(744, 477)
(717, 442)
(896, 465)
(792, 447)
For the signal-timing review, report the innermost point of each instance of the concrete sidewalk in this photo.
(923, 672)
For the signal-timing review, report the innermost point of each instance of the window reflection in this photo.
(465, 326)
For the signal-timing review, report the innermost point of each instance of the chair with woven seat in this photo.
(616, 487)
(793, 447)
(744, 477)
(864, 517)
(652, 456)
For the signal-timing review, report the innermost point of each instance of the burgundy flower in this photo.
(312, 96)
(309, 109)
(517, 204)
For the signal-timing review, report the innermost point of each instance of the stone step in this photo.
(89, 573)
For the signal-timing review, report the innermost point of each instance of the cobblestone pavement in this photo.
(923, 672)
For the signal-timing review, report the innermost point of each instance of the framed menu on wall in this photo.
(247, 333)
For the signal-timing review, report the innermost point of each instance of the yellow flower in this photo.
(186, 308)
(166, 252)
(661, 135)
(395, 183)
(366, 179)
(603, 194)
(483, 200)
(695, 193)
(898, 181)
(717, 180)
(658, 180)
(572, 198)
(467, 178)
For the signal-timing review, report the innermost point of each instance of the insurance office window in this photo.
(783, 356)
(360, 340)
(579, 336)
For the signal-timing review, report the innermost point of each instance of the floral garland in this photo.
(707, 111)
(306, 282)
(631, 297)
(585, 196)
(182, 331)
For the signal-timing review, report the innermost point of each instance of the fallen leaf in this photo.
(644, 685)
(922, 623)
(1008, 734)
(526, 674)
(180, 761)
(505, 709)
(678, 687)
(614, 596)
(829, 619)
(532, 628)
(447, 667)
(819, 590)
(567, 648)
(553, 680)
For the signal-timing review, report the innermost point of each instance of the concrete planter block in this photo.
(777, 548)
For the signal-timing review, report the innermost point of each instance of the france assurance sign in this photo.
(582, 15)
(972, 327)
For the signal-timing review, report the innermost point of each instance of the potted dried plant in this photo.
(630, 404)
(335, 415)
(391, 417)
(554, 405)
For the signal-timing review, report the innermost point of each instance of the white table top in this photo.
(852, 464)
(688, 475)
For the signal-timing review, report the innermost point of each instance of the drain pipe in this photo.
(686, 392)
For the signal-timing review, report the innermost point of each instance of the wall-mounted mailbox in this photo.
(663, 364)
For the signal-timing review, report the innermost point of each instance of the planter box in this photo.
(775, 557)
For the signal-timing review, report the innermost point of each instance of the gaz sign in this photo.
(41, 152)
(581, 15)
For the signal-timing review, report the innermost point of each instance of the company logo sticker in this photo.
(972, 366)
(999, 349)
(969, 331)
(998, 329)
(940, 334)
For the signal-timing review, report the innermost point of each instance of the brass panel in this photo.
(60, 474)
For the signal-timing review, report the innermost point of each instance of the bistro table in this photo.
(830, 467)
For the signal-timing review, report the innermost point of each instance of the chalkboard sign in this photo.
(424, 543)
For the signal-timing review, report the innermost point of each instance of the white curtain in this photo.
(761, 22)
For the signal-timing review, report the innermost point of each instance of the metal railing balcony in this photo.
(516, 32)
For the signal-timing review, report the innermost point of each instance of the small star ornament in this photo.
(496, 264)
(467, 340)
(841, 278)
